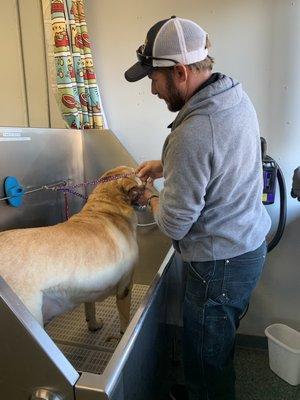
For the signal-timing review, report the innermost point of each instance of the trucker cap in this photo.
(169, 42)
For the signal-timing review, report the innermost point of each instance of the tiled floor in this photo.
(256, 381)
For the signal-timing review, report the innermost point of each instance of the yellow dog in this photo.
(85, 259)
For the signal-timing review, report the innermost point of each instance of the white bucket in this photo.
(284, 352)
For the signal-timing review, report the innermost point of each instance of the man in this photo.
(211, 201)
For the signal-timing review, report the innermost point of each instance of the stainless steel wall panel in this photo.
(37, 157)
(102, 151)
(29, 358)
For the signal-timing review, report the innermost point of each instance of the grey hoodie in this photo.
(211, 203)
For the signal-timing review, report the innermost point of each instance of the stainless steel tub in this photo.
(31, 364)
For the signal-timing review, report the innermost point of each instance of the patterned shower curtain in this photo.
(78, 92)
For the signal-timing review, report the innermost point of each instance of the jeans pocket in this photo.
(198, 277)
(243, 273)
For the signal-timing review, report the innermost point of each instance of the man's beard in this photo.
(175, 100)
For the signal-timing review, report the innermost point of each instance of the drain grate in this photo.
(84, 359)
(90, 351)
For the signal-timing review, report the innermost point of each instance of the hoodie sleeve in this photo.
(187, 160)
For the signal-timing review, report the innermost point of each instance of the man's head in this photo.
(175, 57)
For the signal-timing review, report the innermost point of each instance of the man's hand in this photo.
(150, 169)
(296, 184)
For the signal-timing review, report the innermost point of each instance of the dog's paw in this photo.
(94, 326)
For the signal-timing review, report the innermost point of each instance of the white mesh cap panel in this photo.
(182, 40)
(195, 37)
(166, 43)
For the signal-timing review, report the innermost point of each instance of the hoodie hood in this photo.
(220, 95)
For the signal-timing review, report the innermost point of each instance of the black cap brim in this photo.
(137, 71)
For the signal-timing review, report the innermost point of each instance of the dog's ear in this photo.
(134, 194)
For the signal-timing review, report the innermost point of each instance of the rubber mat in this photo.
(91, 351)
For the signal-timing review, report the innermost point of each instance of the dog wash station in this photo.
(66, 361)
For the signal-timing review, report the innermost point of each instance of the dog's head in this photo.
(130, 185)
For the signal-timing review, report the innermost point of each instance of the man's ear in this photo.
(180, 73)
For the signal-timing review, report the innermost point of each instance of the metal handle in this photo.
(44, 187)
(45, 394)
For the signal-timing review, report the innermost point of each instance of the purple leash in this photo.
(69, 189)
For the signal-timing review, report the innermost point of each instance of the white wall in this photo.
(256, 42)
(12, 104)
(24, 96)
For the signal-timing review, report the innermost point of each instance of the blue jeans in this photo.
(217, 293)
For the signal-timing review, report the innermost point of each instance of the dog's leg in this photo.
(90, 315)
(123, 300)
